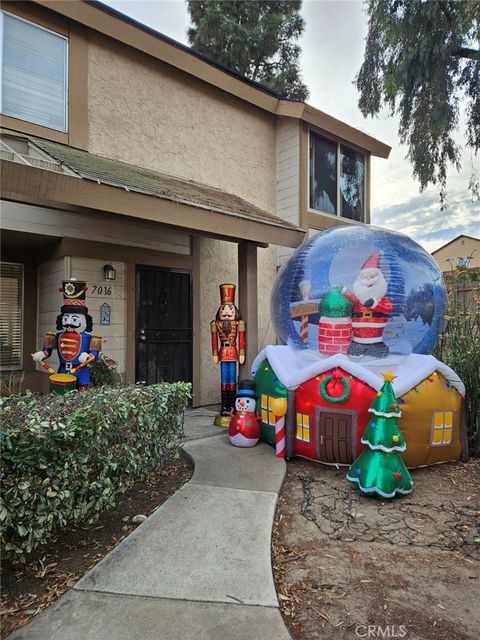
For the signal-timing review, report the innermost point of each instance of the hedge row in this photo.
(66, 458)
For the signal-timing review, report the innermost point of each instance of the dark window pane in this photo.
(352, 184)
(323, 174)
(11, 315)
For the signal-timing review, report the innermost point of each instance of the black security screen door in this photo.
(163, 325)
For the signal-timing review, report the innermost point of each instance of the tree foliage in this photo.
(256, 38)
(422, 60)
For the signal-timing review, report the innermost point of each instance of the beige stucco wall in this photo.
(462, 247)
(146, 113)
(267, 269)
(218, 264)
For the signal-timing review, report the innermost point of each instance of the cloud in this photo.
(421, 219)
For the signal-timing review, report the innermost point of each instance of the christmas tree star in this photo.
(388, 376)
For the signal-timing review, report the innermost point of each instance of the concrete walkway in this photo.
(197, 569)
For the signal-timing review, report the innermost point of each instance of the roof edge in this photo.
(114, 24)
(422, 367)
(461, 235)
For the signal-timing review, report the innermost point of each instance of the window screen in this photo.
(34, 73)
(11, 315)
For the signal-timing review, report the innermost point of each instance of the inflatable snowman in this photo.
(244, 429)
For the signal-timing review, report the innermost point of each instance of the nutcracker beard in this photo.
(226, 326)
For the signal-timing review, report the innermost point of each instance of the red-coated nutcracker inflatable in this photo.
(244, 429)
(227, 329)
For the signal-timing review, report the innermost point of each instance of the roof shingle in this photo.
(141, 180)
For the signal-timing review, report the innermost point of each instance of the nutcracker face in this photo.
(245, 404)
(74, 322)
(227, 312)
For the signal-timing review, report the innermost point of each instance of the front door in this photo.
(335, 436)
(163, 325)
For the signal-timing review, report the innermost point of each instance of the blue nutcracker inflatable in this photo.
(75, 344)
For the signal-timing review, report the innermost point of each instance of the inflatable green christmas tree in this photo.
(379, 468)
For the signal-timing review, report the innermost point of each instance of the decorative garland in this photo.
(328, 398)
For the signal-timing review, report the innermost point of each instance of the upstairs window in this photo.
(11, 315)
(323, 174)
(337, 179)
(34, 64)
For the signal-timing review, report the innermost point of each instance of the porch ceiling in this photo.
(234, 211)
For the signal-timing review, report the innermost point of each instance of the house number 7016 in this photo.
(101, 290)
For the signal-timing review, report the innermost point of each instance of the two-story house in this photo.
(125, 154)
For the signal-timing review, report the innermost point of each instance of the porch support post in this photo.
(248, 301)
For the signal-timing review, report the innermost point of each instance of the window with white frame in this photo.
(34, 67)
(337, 179)
(11, 315)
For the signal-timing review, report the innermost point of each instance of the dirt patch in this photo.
(350, 566)
(56, 567)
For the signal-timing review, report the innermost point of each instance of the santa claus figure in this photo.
(371, 308)
(244, 429)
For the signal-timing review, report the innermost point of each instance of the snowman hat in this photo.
(246, 389)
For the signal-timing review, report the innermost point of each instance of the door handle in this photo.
(142, 338)
(321, 441)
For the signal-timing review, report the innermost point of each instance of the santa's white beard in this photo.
(375, 292)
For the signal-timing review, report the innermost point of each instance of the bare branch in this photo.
(464, 52)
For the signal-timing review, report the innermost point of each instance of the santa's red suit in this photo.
(369, 315)
(368, 323)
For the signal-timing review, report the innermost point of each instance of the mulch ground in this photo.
(56, 567)
(347, 565)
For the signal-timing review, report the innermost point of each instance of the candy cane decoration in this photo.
(280, 436)
(305, 286)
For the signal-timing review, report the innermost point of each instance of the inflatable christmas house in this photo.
(375, 303)
(328, 403)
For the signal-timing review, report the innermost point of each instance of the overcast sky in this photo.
(332, 52)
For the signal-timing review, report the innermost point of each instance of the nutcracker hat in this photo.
(246, 389)
(227, 293)
(373, 261)
(74, 296)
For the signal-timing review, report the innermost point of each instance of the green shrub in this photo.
(65, 458)
(103, 371)
(459, 344)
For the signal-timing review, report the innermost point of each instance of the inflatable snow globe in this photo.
(387, 284)
(352, 303)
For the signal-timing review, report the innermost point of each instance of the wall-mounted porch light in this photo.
(109, 272)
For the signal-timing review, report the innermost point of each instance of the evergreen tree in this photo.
(379, 468)
(256, 38)
(422, 60)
